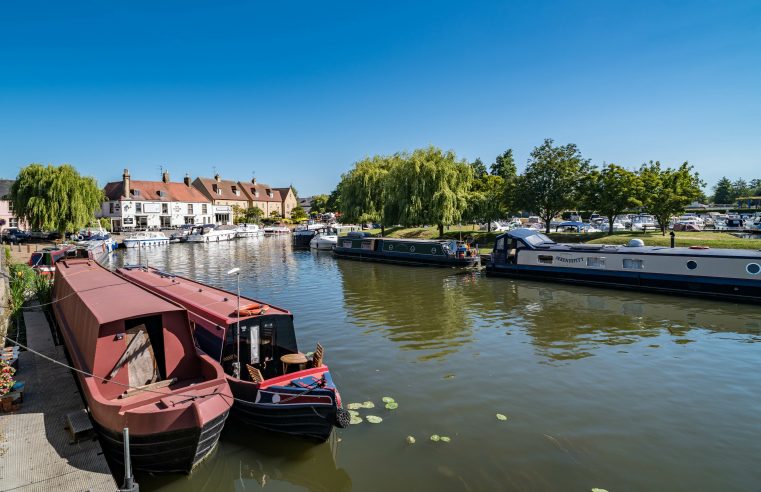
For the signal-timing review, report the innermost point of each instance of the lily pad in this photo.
(353, 413)
(445, 439)
(355, 420)
(368, 404)
(410, 440)
(392, 405)
(354, 406)
(374, 419)
(501, 417)
(388, 399)
(435, 438)
(595, 489)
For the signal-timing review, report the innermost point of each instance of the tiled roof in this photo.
(250, 189)
(149, 191)
(211, 186)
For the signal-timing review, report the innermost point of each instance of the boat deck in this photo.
(35, 449)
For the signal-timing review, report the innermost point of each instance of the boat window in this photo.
(500, 244)
(596, 261)
(368, 245)
(538, 239)
(347, 244)
(753, 268)
(545, 259)
(691, 265)
(634, 264)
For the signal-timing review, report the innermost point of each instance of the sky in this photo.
(295, 92)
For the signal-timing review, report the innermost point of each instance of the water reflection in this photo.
(418, 308)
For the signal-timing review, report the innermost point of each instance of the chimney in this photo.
(125, 183)
(253, 180)
(216, 177)
(187, 179)
(165, 176)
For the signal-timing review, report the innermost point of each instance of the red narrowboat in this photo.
(143, 369)
(276, 387)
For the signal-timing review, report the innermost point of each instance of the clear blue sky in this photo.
(298, 91)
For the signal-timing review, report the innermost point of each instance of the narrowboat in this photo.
(276, 387)
(43, 261)
(731, 274)
(434, 252)
(140, 369)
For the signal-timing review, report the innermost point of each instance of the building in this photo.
(7, 217)
(225, 194)
(154, 204)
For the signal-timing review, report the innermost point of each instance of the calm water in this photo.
(616, 390)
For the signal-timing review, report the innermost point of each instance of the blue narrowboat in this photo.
(433, 252)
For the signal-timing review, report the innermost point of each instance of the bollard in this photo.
(28, 248)
(673, 238)
(129, 484)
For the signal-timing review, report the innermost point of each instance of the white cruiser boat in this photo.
(248, 230)
(275, 230)
(644, 223)
(733, 274)
(211, 233)
(145, 238)
(325, 238)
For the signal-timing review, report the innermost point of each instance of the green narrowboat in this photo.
(434, 252)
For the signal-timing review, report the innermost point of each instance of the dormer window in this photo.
(255, 191)
(236, 192)
(270, 193)
(135, 192)
(162, 193)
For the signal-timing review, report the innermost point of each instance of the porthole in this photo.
(753, 268)
(412, 249)
(691, 265)
(391, 247)
(433, 251)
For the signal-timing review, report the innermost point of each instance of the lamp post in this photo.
(236, 271)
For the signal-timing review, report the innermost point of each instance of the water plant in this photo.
(373, 419)
(501, 417)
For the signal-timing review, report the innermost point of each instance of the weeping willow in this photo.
(55, 198)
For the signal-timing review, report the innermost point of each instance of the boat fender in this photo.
(343, 418)
(253, 309)
(700, 247)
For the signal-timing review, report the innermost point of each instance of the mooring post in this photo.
(673, 238)
(129, 484)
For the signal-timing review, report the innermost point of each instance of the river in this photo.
(608, 389)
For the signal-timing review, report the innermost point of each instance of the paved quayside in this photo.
(35, 449)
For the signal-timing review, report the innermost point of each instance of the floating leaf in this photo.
(374, 419)
(410, 440)
(368, 404)
(595, 489)
(435, 438)
(445, 439)
(501, 417)
(353, 413)
(388, 399)
(354, 406)
(392, 405)
(355, 420)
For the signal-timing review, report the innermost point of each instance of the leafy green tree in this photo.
(613, 190)
(429, 186)
(362, 191)
(666, 192)
(334, 200)
(253, 215)
(723, 192)
(297, 213)
(740, 188)
(55, 198)
(504, 165)
(238, 214)
(479, 168)
(319, 204)
(105, 223)
(553, 180)
(755, 186)
(485, 200)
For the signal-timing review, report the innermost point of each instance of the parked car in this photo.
(14, 235)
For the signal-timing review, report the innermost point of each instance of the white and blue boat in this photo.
(145, 239)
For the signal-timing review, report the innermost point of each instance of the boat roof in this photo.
(203, 298)
(414, 240)
(99, 289)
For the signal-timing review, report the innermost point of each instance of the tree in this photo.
(429, 186)
(553, 180)
(275, 215)
(722, 192)
(319, 204)
(479, 168)
(755, 186)
(739, 188)
(485, 200)
(612, 191)
(297, 213)
(253, 215)
(666, 192)
(238, 214)
(504, 165)
(362, 191)
(54, 198)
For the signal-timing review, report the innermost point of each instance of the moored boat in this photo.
(435, 252)
(276, 387)
(140, 369)
(325, 238)
(303, 234)
(275, 230)
(716, 273)
(248, 230)
(145, 239)
(211, 233)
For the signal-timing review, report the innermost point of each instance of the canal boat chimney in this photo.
(125, 183)
(187, 180)
(673, 238)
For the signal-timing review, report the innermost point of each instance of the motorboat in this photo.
(144, 239)
(276, 386)
(687, 223)
(325, 238)
(732, 223)
(644, 222)
(211, 233)
(95, 233)
(181, 234)
(98, 249)
(576, 227)
(138, 367)
(248, 230)
(274, 230)
(303, 234)
(604, 226)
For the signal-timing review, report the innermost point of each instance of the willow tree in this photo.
(553, 180)
(55, 198)
(666, 192)
(429, 186)
(362, 190)
(613, 190)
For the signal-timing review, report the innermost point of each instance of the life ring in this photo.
(253, 309)
(699, 247)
